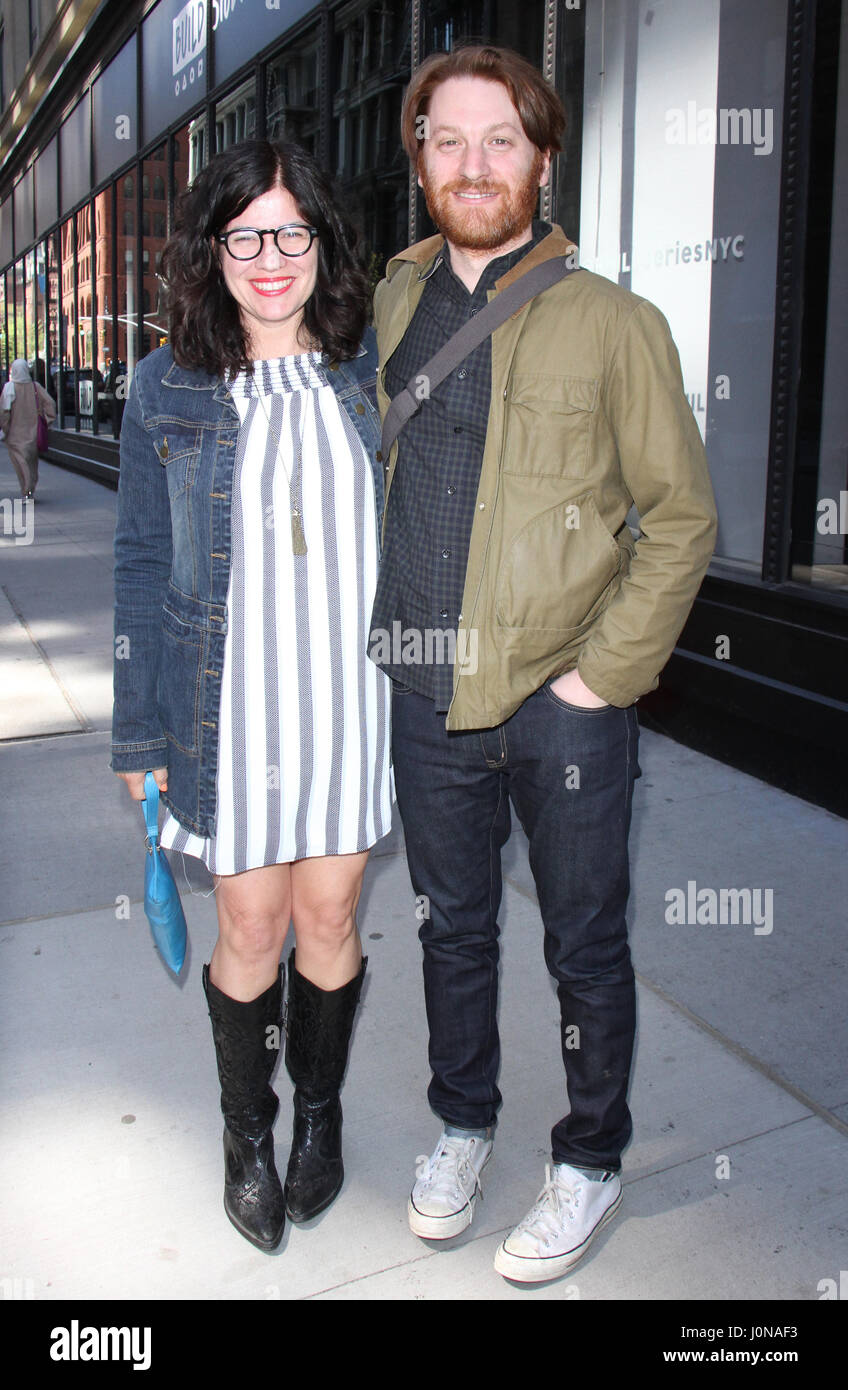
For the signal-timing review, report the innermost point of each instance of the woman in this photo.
(249, 507)
(21, 402)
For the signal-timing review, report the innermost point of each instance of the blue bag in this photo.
(162, 904)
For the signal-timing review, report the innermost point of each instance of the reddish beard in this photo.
(479, 228)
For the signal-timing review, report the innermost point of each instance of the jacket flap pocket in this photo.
(173, 442)
(562, 392)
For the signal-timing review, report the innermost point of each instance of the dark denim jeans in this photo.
(454, 791)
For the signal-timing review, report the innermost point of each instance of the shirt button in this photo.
(443, 612)
(482, 506)
(462, 373)
(457, 429)
(445, 554)
(451, 490)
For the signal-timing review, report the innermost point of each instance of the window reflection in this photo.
(30, 309)
(125, 339)
(235, 119)
(111, 369)
(86, 373)
(38, 340)
(154, 329)
(367, 157)
(181, 144)
(65, 380)
(53, 308)
(291, 93)
(4, 352)
(197, 148)
(20, 333)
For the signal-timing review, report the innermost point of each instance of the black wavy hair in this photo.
(206, 329)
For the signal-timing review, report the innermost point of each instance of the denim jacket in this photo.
(172, 566)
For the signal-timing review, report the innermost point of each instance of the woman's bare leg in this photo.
(324, 896)
(254, 910)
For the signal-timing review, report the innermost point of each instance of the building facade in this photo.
(705, 167)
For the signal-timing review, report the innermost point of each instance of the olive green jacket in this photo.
(587, 417)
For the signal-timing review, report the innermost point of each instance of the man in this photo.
(505, 529)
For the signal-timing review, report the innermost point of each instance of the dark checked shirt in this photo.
(434, 489)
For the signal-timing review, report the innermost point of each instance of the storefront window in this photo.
(819, 549)
(46, 187)
(20, 319)
(679, 203)
(180, 149)
(235, 116)
(114, 113)
(31, 311)
(24, 220)
(242, 28)
(291, 93)
(38, 343)
(109, 367)
(4, 352)
(86, 321)
(447, 23)
(43, 360)
(74, 153)
(154, 322)
(367, 157)
(6, 232)
(173, 42)
(126, 343)
(68, 340)
(197, 146)
(52, 305)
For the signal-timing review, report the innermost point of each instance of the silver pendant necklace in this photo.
(294, 479)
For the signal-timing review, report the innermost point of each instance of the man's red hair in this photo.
(541, 111)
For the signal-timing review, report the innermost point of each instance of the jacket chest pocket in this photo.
(178, 450)
(549, 424)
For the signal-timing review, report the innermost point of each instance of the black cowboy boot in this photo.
(318, 1028)
(247, 1040)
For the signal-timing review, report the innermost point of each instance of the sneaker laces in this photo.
(448, 1167)
(556, 1203)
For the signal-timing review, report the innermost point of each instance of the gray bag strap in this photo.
(469, 336)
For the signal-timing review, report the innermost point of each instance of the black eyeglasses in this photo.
(246, 243)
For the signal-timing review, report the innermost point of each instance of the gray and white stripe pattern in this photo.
(303, 759)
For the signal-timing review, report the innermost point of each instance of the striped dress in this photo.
(303, 757)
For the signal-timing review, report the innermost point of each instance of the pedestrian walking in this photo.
(23, 403)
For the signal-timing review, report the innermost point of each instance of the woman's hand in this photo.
(135, 781)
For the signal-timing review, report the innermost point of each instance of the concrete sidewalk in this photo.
(110, 1166)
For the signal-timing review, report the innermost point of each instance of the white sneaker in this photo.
(442, 1201)
(556, 1233)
